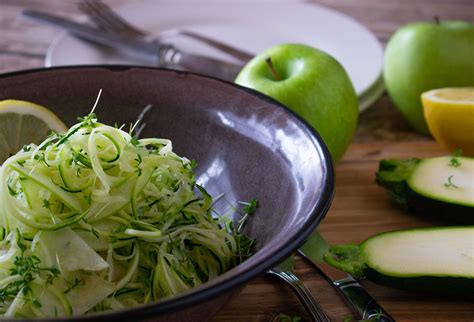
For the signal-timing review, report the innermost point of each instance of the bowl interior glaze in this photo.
(246, 146)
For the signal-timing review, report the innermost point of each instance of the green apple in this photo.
(424, 56)
(311, 83)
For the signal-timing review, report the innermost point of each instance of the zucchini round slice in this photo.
(438, 259)
(441, 186)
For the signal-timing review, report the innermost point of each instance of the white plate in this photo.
(252, 26)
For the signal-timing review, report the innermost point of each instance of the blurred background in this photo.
(24, 43)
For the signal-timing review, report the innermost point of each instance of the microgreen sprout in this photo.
(454, 161)
(450, 183)
(249, 209)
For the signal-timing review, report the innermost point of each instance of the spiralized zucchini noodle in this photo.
(95, 219)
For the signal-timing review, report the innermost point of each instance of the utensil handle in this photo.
(241, 55)
(313, 308)
(169, 55)
(362, 302)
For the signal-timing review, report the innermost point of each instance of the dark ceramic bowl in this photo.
(246, 144)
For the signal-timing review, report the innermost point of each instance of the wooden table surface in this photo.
(360, 208)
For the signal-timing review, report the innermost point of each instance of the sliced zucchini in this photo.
(75, 178)
(441, 186)
(438, 259)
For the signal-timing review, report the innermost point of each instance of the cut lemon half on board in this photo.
(23, 123)
(449, 113)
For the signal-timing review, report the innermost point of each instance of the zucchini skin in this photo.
(393, 176)
(353, 259)
(457, 287)
(428, 207)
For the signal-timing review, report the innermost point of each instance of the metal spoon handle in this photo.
(314, 309)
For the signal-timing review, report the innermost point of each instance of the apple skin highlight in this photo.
(314, 85)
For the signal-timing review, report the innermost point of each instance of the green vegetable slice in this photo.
(435, 260)
(436, 187)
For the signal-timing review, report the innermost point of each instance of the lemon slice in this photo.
(23, 123)
(449, 113)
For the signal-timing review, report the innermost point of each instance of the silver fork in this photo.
(106, 19)
(314, 309)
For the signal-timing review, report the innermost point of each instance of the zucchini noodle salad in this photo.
(96, 219)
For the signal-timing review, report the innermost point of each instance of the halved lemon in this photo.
(449, 113)
(23, 123)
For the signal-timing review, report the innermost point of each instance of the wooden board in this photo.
(360, 209)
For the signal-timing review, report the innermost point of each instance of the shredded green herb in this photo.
(96, 219)
(26, 269)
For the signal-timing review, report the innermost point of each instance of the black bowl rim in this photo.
(318, 212)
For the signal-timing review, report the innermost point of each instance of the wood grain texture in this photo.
(360, 208)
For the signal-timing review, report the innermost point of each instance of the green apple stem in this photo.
(436, 19)
(269, 62)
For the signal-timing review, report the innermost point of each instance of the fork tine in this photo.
(102, 14)
(97, 20)
(96, 14)
(107, 14)
(106, 19)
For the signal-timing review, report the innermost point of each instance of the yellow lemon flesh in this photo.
(449, 113)
(23, 123)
